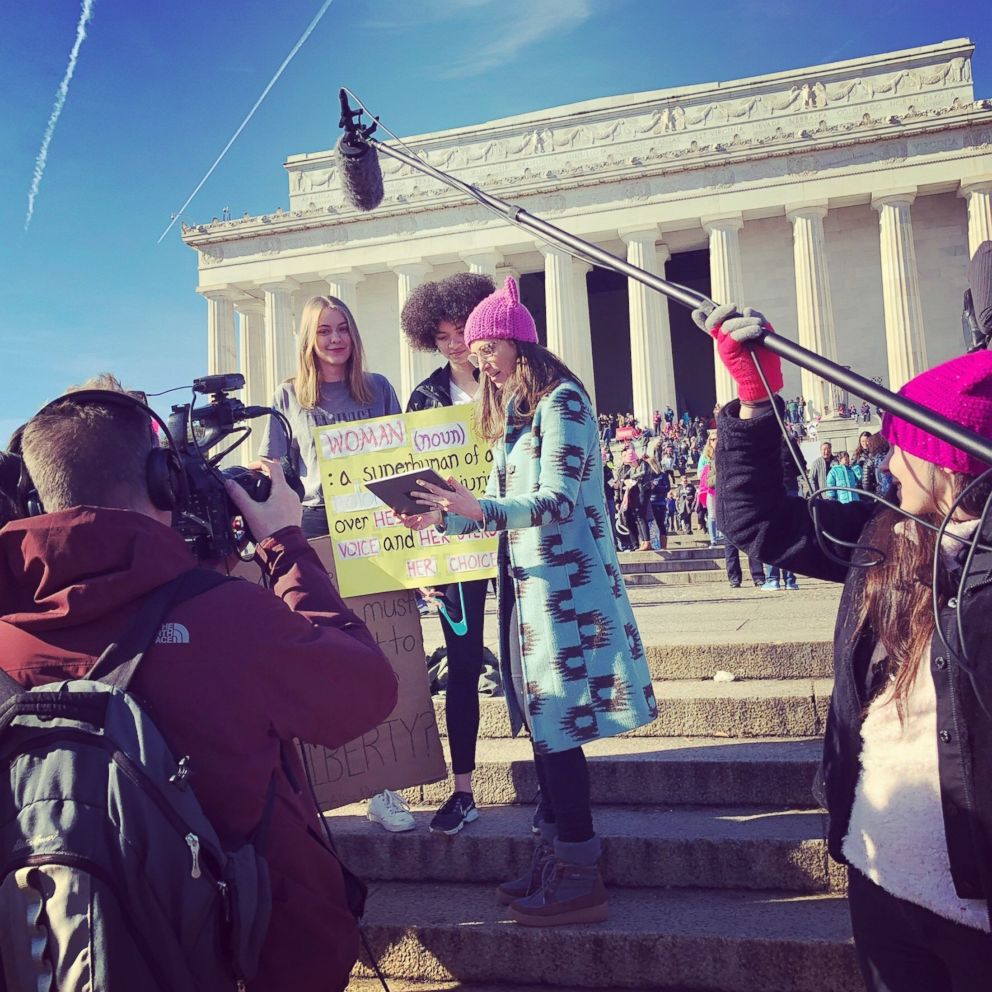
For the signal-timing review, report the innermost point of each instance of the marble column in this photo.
(344, 285)
(978, 195)
(559, 301)
(584, 367)
(221, 341)
(726, 284)
(280, 334)
(904, 341)
(505, 269)
(566, 304)
(415, 366)
(251, 346)
(483, 263)
(652, 365)
(815, 310)
(251, 342)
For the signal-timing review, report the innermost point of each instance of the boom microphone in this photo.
(361, 174)
(361, 183)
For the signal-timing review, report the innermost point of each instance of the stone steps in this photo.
(695, 771)
(759, 708)
(782, 660)
(655, 939)
(643, 847)
(713, 846)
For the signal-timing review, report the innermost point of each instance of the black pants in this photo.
(658, 510)
(756, 568)
(314, 521)
(465, 660)
(903, 947)
(637, 521)
(564, 779)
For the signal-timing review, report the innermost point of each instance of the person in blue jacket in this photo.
(573, 663)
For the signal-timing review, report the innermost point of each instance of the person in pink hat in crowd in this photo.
(574, 667)
(907, 762)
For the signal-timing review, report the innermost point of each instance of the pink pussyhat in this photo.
(961, 391)
(501, 315)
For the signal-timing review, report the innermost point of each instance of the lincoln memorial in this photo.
(843, 200)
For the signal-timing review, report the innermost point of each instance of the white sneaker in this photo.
(390, 811)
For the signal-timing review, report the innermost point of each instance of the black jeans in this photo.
(903, 947)
(564, 779)
(465, 660)
(314, 521)
(755, 567)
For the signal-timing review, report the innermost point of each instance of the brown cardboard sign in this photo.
(405, 749)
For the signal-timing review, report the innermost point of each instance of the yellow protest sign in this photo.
(373, 551)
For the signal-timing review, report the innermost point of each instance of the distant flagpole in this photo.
(251, 113)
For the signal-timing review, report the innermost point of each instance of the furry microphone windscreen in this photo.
(361, 175)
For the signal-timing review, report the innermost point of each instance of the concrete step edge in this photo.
(749, 942)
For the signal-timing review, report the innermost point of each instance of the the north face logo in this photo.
(172, 633)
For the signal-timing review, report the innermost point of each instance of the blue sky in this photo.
(159, 88)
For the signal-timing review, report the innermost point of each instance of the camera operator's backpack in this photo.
(113, 879)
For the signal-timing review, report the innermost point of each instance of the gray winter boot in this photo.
(530, 882)
(571, 891)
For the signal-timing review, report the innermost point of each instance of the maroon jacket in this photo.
(245, 673)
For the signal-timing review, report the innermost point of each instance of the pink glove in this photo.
(732, 331)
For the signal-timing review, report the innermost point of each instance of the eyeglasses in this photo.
(483, 354)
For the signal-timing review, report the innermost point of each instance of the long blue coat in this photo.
(584, 665)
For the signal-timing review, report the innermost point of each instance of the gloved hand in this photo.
(732, 330)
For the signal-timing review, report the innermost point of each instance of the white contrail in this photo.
(251, 113)
(85, 17)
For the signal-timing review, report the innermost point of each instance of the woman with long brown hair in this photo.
(573, 664)
(907, 767)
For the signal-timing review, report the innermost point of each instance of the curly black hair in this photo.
(451, 299)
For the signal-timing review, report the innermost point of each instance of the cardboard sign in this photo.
(405, 749)
(373, 551)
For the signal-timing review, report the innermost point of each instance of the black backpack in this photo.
(114, 880)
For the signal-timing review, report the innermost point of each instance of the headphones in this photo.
(165, 477)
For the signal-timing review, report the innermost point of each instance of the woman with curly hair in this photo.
(433, 319)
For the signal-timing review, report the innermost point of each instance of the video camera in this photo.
(205, 520)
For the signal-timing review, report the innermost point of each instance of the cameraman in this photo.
(250, 670)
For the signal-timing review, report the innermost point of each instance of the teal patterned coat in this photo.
(584, 665)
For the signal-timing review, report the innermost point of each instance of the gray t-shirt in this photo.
(335, 406)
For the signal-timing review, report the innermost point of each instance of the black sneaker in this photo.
(454, 814)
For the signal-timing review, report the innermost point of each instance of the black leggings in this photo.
(465, 660)
(564, 780)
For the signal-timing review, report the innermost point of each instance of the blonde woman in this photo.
(331, 385)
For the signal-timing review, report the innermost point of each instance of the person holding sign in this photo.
(434, 319)
(572, 658)
(330, 386)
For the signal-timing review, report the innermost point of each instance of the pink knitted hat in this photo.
(501, 315)
(960, 390)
